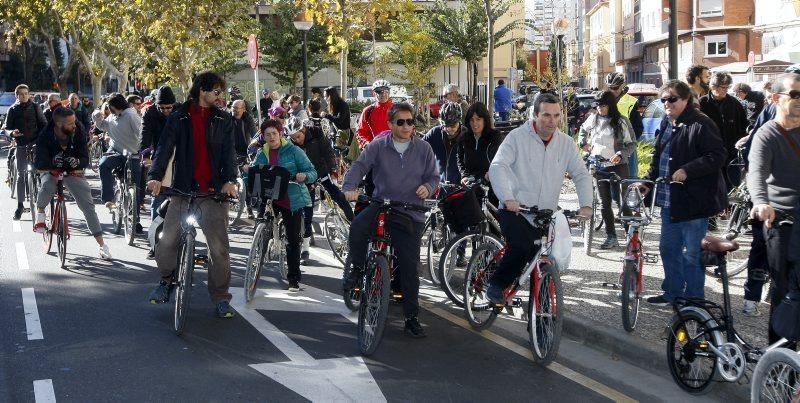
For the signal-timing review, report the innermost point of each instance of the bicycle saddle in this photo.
(718, 245)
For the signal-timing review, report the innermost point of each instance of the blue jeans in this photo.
(680, 252)
(107, 165)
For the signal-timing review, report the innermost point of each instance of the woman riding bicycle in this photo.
(608, 135)
(277, 151)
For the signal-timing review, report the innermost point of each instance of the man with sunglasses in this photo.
(730, 117)
(404, 169)
(774, 183)
(688, 151)
(374, 119)
(198, 136)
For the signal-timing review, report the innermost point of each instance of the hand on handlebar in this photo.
(351, 195)
(154, 187)
(679, 175)
(422, 192)
(585, 212)
(512, 206)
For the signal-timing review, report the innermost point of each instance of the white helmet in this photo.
(380, 84)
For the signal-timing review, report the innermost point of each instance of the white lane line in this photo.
(22, 256)
(16, 226)
(43, 391)
(32, 322)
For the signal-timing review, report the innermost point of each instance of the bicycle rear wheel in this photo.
(131, 214)
(47, 235)
(545, 314)
(438, 237)
(61, 233)
(691, 364)
(184, 283)
(479, 311)
(630, 295)
(776, 377)
(335, 236)
(374, 305)
(255, 259)
(117, 218)
(451, 274)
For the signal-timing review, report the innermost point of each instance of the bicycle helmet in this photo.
(450, 113)
(293, 125)
(795, 68)
(380, 84)
(615, 79)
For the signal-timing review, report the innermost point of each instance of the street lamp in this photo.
(303, 23)
(559, 29)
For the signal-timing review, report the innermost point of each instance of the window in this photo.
(710, 8)
(717, 45)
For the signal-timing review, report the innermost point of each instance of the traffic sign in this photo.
(252, 51)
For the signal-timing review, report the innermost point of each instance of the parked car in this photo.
(6, 100)
(651, 119)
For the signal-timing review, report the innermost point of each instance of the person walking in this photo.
(502, 100)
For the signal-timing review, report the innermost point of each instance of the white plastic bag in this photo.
(562, 241)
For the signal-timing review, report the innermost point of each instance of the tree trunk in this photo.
(490, 55)
(475, 82)
(343, 71)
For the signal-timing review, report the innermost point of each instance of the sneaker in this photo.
(40, 226)
(751, 309)
(611, 242)
(658, 300)
(413, 328)
(495, 295)
(161, 294)
(18, 213)
(352, 279)
(304, 255)
(151, 254)
(250, 214)
(312, 241)
(139, 228)
(111, 205)
(105, 253)
(294, 286)
(224, 310)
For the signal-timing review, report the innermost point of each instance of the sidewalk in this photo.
(594, 310)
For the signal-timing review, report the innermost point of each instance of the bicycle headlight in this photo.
(633, 198)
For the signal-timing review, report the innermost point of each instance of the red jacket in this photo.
(374, 119)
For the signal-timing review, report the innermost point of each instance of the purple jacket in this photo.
(396, 176)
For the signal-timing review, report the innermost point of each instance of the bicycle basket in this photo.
(267, 182)
(461, 210)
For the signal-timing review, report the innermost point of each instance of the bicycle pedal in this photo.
(200, 259)
(516, 302)
(651, 257)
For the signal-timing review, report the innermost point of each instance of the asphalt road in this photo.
(87, 333)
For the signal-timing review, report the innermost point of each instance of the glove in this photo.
(58, 160)
(72, 162)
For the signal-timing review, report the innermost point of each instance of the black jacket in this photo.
(82, 115)
(341, 115)
(28, 119)
(474, 159)
(696, 147)
(153, 123)
(47, 148)
(177, 136)
(319, 151)
(729, 116)
(445, 151)
(243, 131)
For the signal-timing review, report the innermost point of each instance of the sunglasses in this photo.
(671, 99)
(403, 122)
(793, 94)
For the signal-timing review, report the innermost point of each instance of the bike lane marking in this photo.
(32, 322)
(16, 227)
(22, 256)
(43, 391)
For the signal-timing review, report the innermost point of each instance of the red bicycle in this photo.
(57, 219)
(541, 276)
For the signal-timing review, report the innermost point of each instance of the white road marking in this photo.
(32, 322)
(15, 225)
(43, 391)
(22, 256)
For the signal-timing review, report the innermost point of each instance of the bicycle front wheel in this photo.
(34, 193)
(691, 363)
(335, 236)
(238, 208)
(374, 305)
(453, 264)
(117, 214)
(545, 314)
(47, 235)
(776, 378)
(255, 259)
(438, 237)
(184, 283)
(61, 231)
(587, 227)
(131, 214)
(479, 311)
(630, 295)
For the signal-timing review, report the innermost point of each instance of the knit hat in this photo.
(165, 96)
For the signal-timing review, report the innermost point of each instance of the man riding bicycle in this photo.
(529, 169)
(403, 169)
(62, 148)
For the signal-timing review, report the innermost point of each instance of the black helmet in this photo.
(450, 113)
(615, 79)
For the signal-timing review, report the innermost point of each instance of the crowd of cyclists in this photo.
(205, 145)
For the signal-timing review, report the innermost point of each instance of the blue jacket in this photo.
(396, 176)
(295, 161)
(445, 151)
(502, 98)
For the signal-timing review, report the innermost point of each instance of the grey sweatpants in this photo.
(78, 186)
(21, 161)
(212, 216)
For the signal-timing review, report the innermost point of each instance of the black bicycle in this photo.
(125, 214)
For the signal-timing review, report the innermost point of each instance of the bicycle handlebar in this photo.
(392, 203)
(168, 191)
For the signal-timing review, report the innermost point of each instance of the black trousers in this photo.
(520, 236)
(777, 239)
(605, 190)
(292, 223)
(756, 262)
(406, 236)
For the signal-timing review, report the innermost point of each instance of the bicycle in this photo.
(776, 377)
(11, 179)
(380, 266)
(593, 163)
(96, 150)
(57, 222)
(545, 313)
(239, 208)
(702, 341)
(125, 215)
(33, 183)
(268, 228)
(182, 277)
(486, 232)
(436, 232)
